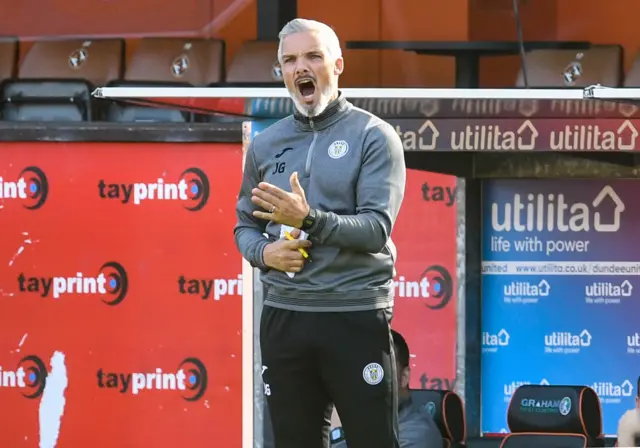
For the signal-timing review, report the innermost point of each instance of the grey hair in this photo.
(330, 38)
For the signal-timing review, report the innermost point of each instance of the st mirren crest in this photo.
(373, 373)
(338, 149)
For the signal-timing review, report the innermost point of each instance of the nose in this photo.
(301, 67)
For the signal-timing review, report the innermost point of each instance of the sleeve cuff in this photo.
(318, 226)
(257, 260)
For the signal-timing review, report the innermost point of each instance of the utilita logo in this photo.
(539, 212)
(31, 188)
(491, 342)
(593, 138)
(613, 393)
(608, 293)
(193, 189)
(633, 344)
(471, 138)
(564, 342)
(435, 287)
(30, 377)
(190, 379)
(526, 292)
(495, 138)
(111, 284)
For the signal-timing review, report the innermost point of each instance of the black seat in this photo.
(56, 78)
(447, 410)
(554, 417)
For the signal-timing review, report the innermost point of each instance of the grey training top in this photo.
(351, 165)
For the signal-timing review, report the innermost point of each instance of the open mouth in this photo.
(307, 88)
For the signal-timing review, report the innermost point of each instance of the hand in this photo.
(282, 207)
(284, 255)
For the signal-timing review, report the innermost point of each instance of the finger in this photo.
(266, 196)
(295, 184)
(295, 233)
(263, 215)
(294, 269)
(296, 264)
(272, 190)
(294, 256)
(261, 203)
(298, 244)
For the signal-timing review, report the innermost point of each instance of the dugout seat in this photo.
(554, 417)
(255, 65)
(632, 79)
(447, 410)
(600, 64)
(168, 62)
(56, 78)
(8, 58)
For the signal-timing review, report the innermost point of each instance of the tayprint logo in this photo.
(30, 377)
(210, 288)
(613, 393)
(435, 287)
(190, 379)
(31, 188)
(491, 342)
(607, 293)
(526, 292)
(192, 189)
(338, 149)
(566, 343)
(111, 284)
(550, 212)
(373, 373)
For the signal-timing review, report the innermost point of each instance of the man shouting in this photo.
(336, 174)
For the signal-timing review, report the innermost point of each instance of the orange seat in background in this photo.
(198, 62)
(256, 62)
(600, 64)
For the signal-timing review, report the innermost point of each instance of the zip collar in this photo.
(336, 109)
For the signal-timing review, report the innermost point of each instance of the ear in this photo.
(404, 378)
(338, 67)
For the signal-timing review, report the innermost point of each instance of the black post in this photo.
(273, 15)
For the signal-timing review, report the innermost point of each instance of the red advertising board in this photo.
(121, 270)
(426, 287)
(120, 300)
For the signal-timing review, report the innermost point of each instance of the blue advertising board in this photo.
(560, 291)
